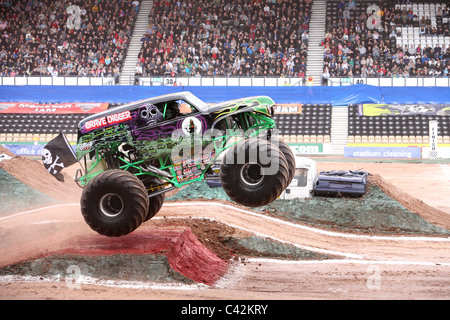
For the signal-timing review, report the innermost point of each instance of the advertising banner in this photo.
(288, 108)
(310, 148)
(383, 152)
(56, 108)
(403, 109)
(27, 149)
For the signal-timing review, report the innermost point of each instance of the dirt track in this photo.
(360, 266)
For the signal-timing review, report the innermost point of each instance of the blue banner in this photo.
(336, 96)
(383, 152)
(375, 110)
(27, 149)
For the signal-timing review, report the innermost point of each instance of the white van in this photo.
(304, 181)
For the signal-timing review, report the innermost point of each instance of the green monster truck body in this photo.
(135, 153)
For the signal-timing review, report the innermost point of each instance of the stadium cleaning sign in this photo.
(383, 152)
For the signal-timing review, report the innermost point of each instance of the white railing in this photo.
(223, 81)
(220, 81)
(56, 81)
(392, 82)
(151, 81)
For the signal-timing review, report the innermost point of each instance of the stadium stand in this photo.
(387, 38)
(38, 127)
(49, 38)
(411, 129)
(224, 37)
(41, 127)
(312, 125)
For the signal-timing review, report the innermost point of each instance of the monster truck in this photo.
(133, 154)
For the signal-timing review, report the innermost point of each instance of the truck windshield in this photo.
(300, 178)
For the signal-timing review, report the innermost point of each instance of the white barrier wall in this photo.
(222, 81)
(56, 81)
(391, 82)
(442, 152)
(219, 81)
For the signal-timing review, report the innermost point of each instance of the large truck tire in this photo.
(154, 205)
(114, 203)
(254, 172)
(154, 202)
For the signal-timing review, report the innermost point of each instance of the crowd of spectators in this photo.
(65, 37)
(226, 38)
(354, 49)
(214, 38)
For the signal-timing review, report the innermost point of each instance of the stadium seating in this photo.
(43, 38)
(312, 125)
(410, 129)
(38, 127)
(226, 38)
(420, 26)
(412, 35)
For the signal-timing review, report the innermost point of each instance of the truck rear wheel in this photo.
(289, 155)
(114, 203)
(254, 172)
(154, 202)
(154, 205)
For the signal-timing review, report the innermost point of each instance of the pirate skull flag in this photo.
(58, 154)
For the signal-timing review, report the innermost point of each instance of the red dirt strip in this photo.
(183, 250)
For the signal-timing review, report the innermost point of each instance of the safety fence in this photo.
(389, 82)
(152, 81)
(57, 81)
(221, 81)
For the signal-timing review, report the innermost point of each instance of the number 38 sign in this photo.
(170, 81)
(374, 20)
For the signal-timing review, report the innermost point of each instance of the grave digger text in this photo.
(230, 309)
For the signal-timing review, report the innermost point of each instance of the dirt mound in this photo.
(199, 244)
(231, 243)
(94, 269)
(189, 257)
(178, 255)
(183, 251)
(378, 211)
(34, 174)
(415, 205)
(6, 151)
(16, 196)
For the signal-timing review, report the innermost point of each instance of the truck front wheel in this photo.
(254, 172)
(114, 203)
